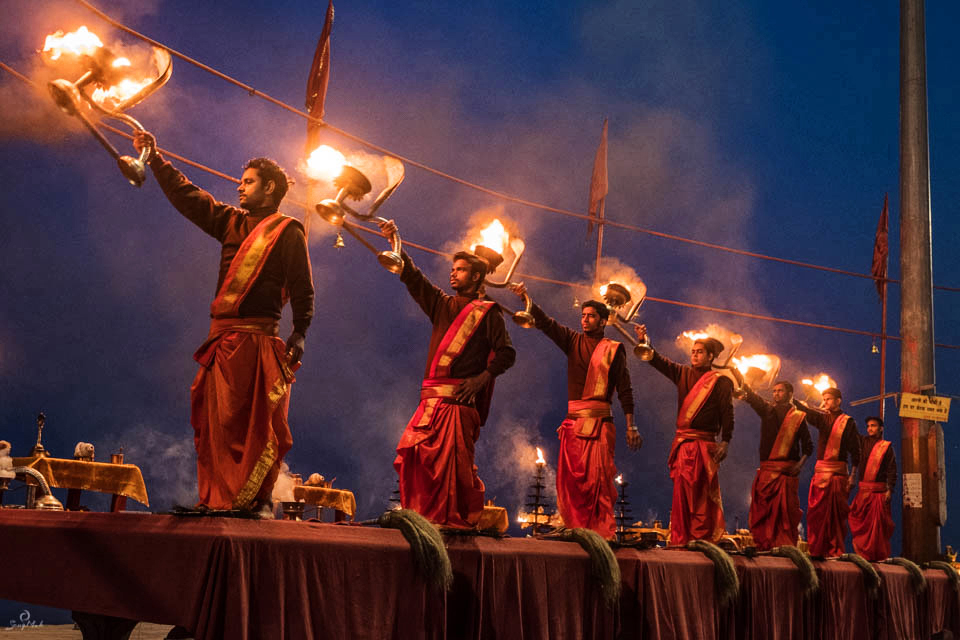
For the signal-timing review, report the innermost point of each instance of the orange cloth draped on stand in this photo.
(871, 521)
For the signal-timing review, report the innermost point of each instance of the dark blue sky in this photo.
(745, 124)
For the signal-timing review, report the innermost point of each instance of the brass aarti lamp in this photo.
(495, 234)
(110, 84)
(353, 184)
(617, 296)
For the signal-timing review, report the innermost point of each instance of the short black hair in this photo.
(785, 383)
(600, 308)
(271, 171)
(877, 418)
(832, 391)
(711, 345)
(477, 265)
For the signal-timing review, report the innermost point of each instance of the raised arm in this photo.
(561, 335)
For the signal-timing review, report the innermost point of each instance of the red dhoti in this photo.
(434, 460)
(585, 469)
(871, 522)
(239, 402)
(697, 510)
(774, 506)
(827, 509)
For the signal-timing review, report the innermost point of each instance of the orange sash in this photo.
(247, 265)
(873, 462)
(592, 409)
(432, 392)
(832, 450)
(695, 399)
(786, 434)
(458, 334)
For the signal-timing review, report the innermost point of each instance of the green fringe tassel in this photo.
(429, 554)
(727, 583)
(804, 565)
(870, 575)
(948, 569)
(917, 578)
(603, 564)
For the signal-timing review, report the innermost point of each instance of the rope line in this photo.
(466, 183)
(308, 209)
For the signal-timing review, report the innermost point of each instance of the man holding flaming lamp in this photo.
(785, 445)
(240, 396)
(871, 522)
(596, 365)
(469, 348)
(827, 506)
(705, 411)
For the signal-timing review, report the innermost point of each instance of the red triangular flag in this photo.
(318, 79)
(598, 181)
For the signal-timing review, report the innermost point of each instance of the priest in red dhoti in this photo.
(596, 366)
(871, 522)
(705, 412)
(241, 393)
(785, 445)
(469, 348)
(830, 487)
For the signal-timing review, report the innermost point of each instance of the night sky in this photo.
(744, 124)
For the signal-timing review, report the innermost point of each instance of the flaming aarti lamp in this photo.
(351, 183)
(617, 296)
(759, 370)
(493, 240)
(110, 84)
(623, 508)
(537, 504)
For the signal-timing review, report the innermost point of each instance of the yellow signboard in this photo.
(915, 405)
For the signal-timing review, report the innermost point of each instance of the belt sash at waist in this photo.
(836, 467)
(684, 435)
(872, 487)
(220, 326)
(587, 416)
(434, 391)
(777, 466)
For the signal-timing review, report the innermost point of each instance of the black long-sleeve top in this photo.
(288, 264)
(716, 415)
(823, 422)
(579, 348)
(442, 309)
(771, 418)
(888, 465)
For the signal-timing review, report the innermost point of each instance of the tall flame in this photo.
(324, 163)
(540, 459)
(695, 335)
(78, 43)
(493, 236)
(619, 479)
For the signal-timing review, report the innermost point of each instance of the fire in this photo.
(694, 335)
(494, 237)
(822, 382)
(78, 43)
(325, 163)
(540, 459)
(121, 91)
(760, 361)
(120, 62)
(619, 479)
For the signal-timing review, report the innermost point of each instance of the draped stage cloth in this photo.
(118, 479)
(246, 579)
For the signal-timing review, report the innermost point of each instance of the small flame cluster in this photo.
(324, 163)
(821, 382)
(760, 361)
(494, 236)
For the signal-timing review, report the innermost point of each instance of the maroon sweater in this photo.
(287, 266)
(716, 415)
(442, 309)
(823, 422)
(771, 419)
(579, 348)
(888, 465)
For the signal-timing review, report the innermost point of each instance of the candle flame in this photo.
(325, 163)
(540, 459)
(79, 42)
(619, 479)
(494, 236)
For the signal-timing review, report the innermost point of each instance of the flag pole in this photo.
(883, 351)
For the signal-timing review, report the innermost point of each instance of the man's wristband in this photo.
(632, 428)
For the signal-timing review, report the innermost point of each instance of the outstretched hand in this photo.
(518, 288)
(469, 388)
(388, 227)
(641, 331)
(144, 140)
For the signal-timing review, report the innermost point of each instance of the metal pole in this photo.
(596, 271)
(883, 351)
(922, 476)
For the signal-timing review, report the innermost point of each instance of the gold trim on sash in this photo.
(832, 450)
(695, 399)
(598, 372)
(873, 462)
(260, 470)
(786, 434)
(464, 326)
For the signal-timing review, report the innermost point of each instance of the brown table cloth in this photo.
(244, 579)
(118, 479)
(339, 499)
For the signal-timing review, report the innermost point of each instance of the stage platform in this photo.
(247, 580)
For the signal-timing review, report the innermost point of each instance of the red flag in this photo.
(598, 181)
(881, 250)
(319, 77)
